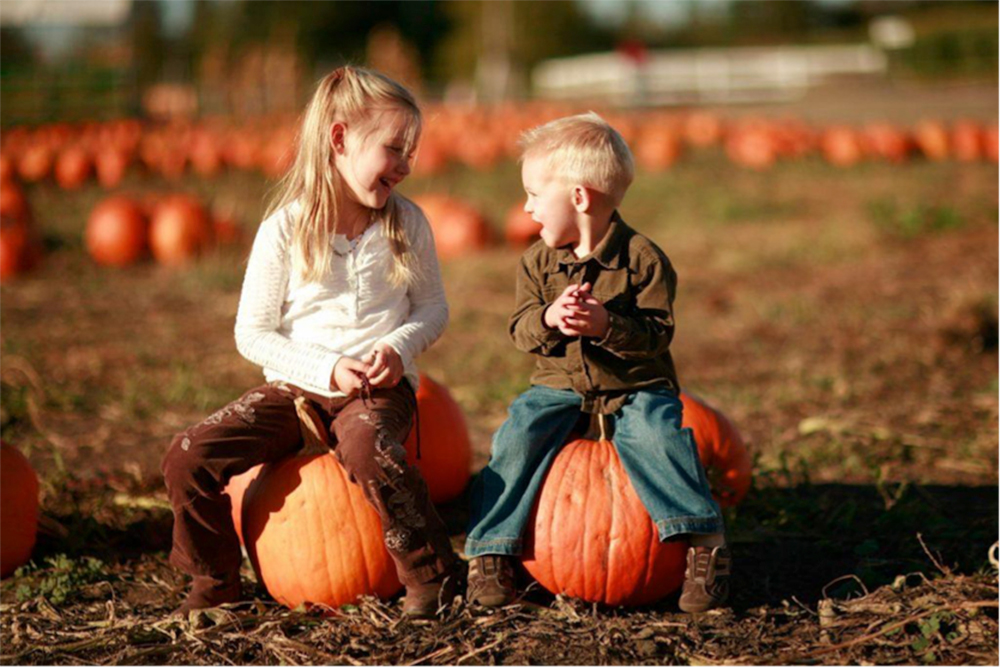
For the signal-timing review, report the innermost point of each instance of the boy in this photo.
(594, 304)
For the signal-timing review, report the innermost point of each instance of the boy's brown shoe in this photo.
(424, 600)
(211, 592)
(706, 580)
(491, 581)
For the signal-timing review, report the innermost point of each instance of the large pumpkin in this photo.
(590, 537)
(311, 536)
(721, 450)
(116, 233)
(18, 509)
(179, 230)
(445, 451)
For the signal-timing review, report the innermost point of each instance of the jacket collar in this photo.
(609, 253)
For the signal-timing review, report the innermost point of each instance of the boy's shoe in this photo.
(424, 600)
(211, 592)
(491, 581)
(706, 579)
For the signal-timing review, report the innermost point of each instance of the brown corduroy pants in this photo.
(263, 426)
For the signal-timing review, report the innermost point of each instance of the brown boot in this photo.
(706, 580)
(211, 592)
(425, 600)
(491, 581)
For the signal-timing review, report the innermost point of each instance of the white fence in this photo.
(728, 75)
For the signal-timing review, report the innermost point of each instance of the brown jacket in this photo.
(635, 281)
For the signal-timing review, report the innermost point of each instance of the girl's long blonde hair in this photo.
(358, 97)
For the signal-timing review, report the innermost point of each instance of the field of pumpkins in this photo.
(836, 344)
(173, 228)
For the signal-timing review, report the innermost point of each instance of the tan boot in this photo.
(491, 581)
(706, 580)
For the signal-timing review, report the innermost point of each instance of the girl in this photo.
(342, 292)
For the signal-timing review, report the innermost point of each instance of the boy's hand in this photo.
(347, 375)
(386, 366)
(564, 306)
(589, 317)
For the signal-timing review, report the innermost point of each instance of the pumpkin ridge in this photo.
(609, 547)
(307, 486)
(587, 543)
(366, 573)
(550, 524)
(343, 591)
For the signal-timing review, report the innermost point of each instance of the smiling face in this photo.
(550, 203)
(372, 163)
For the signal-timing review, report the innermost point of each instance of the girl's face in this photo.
(550, 203)
(370, 163)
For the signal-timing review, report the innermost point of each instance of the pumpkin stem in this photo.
(313, 434)
(601, 422)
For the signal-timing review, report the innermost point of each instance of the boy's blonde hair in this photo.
(583, 149)
(359, 97)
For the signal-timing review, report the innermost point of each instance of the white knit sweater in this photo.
(297, 331)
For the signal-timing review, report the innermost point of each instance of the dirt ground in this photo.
(845, 320)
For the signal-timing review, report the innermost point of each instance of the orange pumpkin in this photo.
(73, 167)
(459, 228)
(179, 230)
(590, 537)
(885, 141)
(445, 450)
(519, 229)
(658, 149)
(35, 163)
(932, 139)
(110, 164)
(966, 141)
(311, 536)
(13, 203)
(751, 146)
(703, 128)
(117, 232)
(841, 147)
(18, 509)
(721, 450)
(20, 249)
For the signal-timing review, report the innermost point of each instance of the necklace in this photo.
(342, 247)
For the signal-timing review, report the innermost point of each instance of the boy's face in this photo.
(550, 203)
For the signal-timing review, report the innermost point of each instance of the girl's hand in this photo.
(347, 375)
(386, 368)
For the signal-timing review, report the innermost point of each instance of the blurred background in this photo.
(98, 60)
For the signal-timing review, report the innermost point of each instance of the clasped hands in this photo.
(382, 368)
(577, 313)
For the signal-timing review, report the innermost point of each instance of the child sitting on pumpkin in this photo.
(594, 305)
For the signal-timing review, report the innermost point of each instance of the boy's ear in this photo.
(582, 198)
(337, 132)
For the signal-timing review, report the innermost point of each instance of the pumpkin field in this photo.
(837, 302)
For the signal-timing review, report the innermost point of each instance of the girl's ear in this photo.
(337, 132)
(582, 198)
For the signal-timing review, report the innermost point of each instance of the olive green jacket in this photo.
(636, 283)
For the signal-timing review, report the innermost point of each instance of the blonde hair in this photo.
(358, 97)
(583, 149)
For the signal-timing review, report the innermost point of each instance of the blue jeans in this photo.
(660, 457)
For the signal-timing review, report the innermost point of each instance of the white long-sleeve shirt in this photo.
(297, 331)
